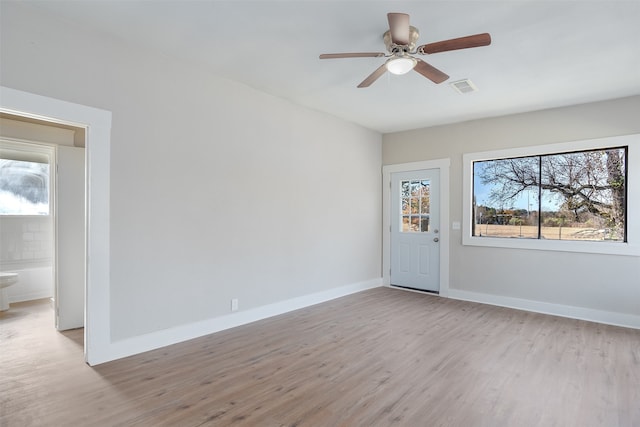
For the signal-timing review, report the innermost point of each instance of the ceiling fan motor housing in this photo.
(409, 48)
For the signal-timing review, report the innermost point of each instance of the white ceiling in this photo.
(544, 53)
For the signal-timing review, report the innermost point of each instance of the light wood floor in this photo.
(378, 358)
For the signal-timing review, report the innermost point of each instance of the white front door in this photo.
(415, 223)
(70, 238)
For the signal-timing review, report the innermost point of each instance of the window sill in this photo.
(593, 247)
(11, 216)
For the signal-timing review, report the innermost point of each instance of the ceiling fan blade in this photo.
(399, 28)
(351, 55)
(476, 40)
(430, 72)
(373, 76)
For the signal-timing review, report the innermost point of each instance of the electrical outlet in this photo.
(234, 304)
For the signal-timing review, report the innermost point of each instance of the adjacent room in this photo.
(311, 213)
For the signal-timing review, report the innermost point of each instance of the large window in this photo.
(579, 197)
(565, 196)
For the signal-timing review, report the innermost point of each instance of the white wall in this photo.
(26, 249)
(217, 191)
(556, 280)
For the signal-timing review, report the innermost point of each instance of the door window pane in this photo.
(415, 206)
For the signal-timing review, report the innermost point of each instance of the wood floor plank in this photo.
(383, 357)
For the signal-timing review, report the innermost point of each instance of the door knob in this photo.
(435, 239)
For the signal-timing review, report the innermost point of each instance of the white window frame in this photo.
(630, 248)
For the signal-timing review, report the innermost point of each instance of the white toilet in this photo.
(6, 279)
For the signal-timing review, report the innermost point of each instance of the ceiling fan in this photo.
(400, 41)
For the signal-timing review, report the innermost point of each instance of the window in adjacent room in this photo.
(24, 183)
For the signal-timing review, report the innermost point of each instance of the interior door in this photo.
(70, 238)
(415, 222)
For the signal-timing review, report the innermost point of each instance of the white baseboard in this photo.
(29, 296)
(154, 340)
(599, 316)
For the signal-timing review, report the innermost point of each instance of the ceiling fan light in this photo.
(400, 64)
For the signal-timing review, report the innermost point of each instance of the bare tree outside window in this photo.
(566, 196)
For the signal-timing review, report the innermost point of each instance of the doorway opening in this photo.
(42, 186)
(98, 347)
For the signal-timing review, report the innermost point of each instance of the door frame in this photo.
(443, 165)
(69, 294)
(51, 148)
(97, 123)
